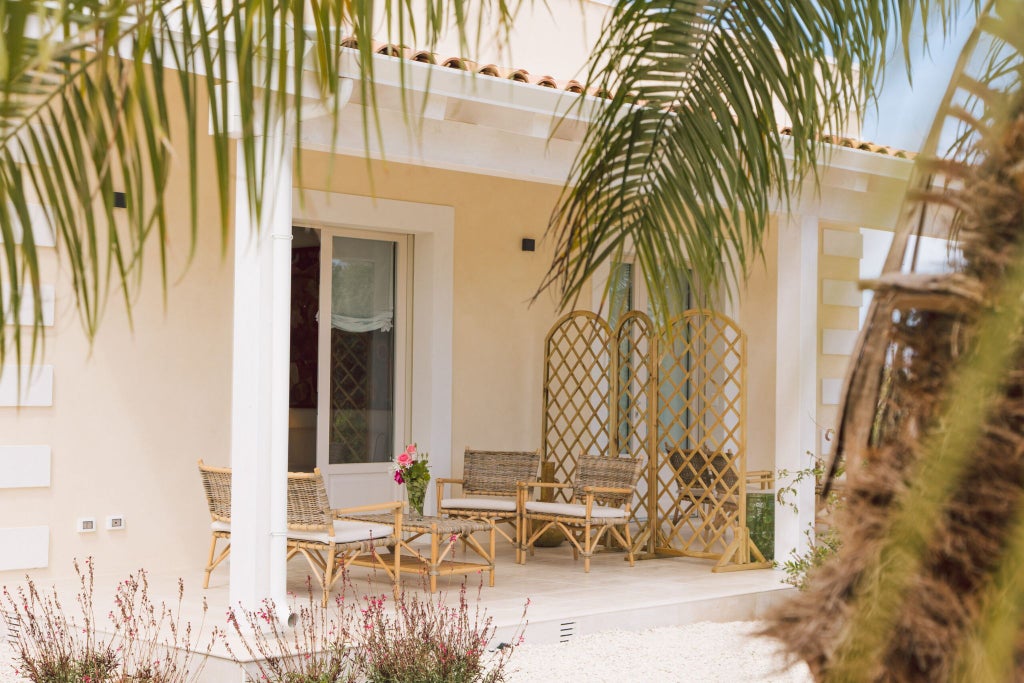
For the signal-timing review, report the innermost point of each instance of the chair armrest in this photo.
(606, 489)
(439, 483)
(395, 505)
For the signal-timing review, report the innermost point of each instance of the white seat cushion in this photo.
(220, 526)
(346, 532)
(573, 510)
(489, 504)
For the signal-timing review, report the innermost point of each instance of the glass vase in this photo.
(416, 493)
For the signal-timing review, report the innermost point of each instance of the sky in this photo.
(905, 113)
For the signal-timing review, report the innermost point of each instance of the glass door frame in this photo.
(403, 346)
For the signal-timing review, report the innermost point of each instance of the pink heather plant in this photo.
(143, 642)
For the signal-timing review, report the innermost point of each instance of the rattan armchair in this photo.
(217, 485)
(602, 495)
(330, 544)
(489, 488)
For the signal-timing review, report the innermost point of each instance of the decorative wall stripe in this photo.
(838, 342)
(842, 243)
(36, 386)
(24, 548)
(24, 467)
(840, 293)
(830, 391)
(42, 230)
(47, 296)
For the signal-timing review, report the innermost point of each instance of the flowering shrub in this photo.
(145, 642)
(375, 639)
(422, 639)
(411, 469)
(316, 651)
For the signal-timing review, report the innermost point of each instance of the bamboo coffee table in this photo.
(444, 532)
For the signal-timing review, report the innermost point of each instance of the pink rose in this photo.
(410, 450)
(398, 478)
(404, 459)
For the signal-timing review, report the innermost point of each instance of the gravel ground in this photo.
(698, 653)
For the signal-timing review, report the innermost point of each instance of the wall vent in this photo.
(566, 631)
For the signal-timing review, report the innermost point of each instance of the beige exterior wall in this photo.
(497, 336)
(133, 412)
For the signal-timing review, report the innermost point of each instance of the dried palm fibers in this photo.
(924, 333)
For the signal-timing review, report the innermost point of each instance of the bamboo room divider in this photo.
(677, 398)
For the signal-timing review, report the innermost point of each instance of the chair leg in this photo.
(492, 555)
(629, 545)
(209, 563)
(328, 573)
(588, 547)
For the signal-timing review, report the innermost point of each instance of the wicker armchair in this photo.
(489, 481)
(330, 544)
(217, 485)
(602, 496)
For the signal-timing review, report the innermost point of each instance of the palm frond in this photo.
(85, 87)
(686, 160)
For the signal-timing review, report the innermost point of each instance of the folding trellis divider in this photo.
(628, 391)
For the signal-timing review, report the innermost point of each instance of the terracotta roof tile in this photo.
(572, 86)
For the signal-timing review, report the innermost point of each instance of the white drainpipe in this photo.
(278, 217)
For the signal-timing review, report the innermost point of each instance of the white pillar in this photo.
(796, 396)
(259, 410)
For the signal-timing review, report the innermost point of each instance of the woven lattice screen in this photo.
(677, 399)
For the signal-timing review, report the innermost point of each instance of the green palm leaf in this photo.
(84, 113)
(687, 159)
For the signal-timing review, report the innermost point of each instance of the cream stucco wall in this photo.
(133, 411)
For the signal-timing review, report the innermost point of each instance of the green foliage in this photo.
(821, 547)
(83, 113)
(821, 544)
(687, 159)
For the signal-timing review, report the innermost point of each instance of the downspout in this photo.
(280, 220)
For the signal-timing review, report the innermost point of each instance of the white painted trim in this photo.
(844, 243)
(42, 230)
(433, 268)
(840, 293)
(26, 314)
(24, 467)
(24, 548)
(831, 391)
(36, 386)
(838, 342)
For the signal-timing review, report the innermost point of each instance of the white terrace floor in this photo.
(564, 601)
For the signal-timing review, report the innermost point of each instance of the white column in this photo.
(796, 397)
(259, 410)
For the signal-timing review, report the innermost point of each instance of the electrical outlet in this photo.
(86, 525)
(115, 522)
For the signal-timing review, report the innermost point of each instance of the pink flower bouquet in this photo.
(412, 471)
